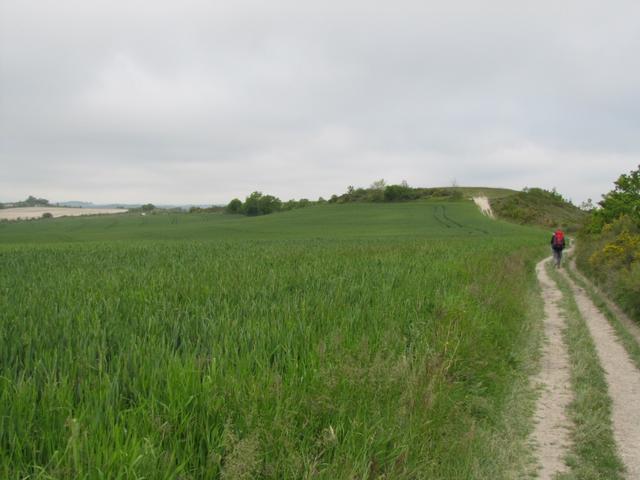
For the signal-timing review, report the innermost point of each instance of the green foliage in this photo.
(399, 193)
(609, 248)
(148, 207)
(380, 192)
(47, 215)
(624, 199)
(612, 259)
(341, 341)
(302, 203)
(259, 204)
(235, 206)
(610, 243)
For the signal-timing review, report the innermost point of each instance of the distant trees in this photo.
(379, 191)
(148, 207)
(260, 204)
(235, 206)
(255, 204)
(398, 193)
(32, 201)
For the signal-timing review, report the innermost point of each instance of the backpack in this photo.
(558, 239)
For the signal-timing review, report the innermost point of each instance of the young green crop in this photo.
(357, 357)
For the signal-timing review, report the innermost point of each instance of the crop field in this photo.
(335, 342)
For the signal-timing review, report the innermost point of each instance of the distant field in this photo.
(335, 342)
(357, 220)
(26, 213)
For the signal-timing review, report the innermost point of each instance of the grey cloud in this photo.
(197, 101)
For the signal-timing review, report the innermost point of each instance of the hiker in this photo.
(557, 244)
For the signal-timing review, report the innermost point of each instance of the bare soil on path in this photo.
(632, 327)
(551, 433)
(623, 380)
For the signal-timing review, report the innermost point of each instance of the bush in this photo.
(398, 193)
(47, 215)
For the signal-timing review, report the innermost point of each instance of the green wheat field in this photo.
(352, 341)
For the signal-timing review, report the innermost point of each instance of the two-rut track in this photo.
(552, 435)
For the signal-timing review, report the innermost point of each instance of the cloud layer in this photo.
(197, 101)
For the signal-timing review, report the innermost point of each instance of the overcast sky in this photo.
(201, 101)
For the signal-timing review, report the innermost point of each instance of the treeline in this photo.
(31, 201)
(260, 204)
(609, 246)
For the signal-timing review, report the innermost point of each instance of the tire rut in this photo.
(623, 380)
(551, 434)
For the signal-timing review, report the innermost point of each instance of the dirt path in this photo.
(632, 327)
(623, 380)
(551, 434)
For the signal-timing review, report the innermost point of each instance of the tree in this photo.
(259, 204)
(47, 215)
(148, 207)
(378, 185)
(269, 204)
(235, 206)
(587, 206)
(624, 199)
(32, 201)
(251, 204)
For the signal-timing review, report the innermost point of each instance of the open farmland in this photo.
(339, 341)
(26, 213)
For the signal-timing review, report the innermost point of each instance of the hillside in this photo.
(333, 221)
(538, 207)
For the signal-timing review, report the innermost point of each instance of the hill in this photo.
(539, 207)
(330, 221)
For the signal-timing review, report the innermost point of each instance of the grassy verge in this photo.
(626, 339)
(509, 441)
(593, 454)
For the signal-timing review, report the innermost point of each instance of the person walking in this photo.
(557, 244)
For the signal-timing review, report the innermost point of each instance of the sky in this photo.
(192, 101)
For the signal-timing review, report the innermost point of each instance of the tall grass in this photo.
(283, 359)
(351, 341)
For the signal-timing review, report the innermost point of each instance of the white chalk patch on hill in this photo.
(485, 206)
